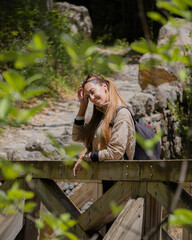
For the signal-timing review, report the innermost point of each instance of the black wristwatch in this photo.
(86, 156)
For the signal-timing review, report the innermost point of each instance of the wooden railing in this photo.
(142, 186)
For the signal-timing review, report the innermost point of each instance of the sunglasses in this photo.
(97, 77)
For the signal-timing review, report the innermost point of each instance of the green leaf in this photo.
(38, 42)
(157, 17)
(180, 4)
(115, 208)
(5, 105)
(25, 59)
(26, 114)
(169, 6)
(181, 217)
(8, 56)
(71, 236)
(5, 87)
(148, 144)
(116, 62)
(182, 75)
(14, 79)
(188, 2)
(144, 46)
(28, 207)
(33, 79)
(19, 194)
(73, 150)
(33, 91)
(39, 224)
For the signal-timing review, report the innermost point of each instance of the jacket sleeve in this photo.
(122, 138)
(78, 130)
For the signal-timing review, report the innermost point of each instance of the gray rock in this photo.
(166, 72)
(78, 16)
(142, 104)
(18, 155)
(34, 146)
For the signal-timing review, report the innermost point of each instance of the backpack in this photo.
(144, 130)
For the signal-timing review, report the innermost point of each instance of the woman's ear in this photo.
(105, 86)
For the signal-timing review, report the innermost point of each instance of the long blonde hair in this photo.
(114, 99)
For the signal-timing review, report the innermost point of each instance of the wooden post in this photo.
(128, 225)
(30, 231)
(186, 234)
(152, 218)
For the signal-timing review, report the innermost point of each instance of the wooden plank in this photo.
(30, 231)
(57, 202)
(83, 195)
(7, 185)
(10, 225)
(186, 234)
(128, 224)
(150, 171)
(164, 193)
(152, 217)
(99, 213)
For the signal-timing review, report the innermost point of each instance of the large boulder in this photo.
(78, 16)
(166, 72)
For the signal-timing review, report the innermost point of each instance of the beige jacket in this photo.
(122, 140)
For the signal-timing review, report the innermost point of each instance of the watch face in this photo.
(86, 156)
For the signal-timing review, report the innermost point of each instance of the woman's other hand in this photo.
(78, 163)
(77, 166)
(82, 99)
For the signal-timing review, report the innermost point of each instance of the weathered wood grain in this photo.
(150, 171)
(99, 213)
(57, 203)
(128, 224)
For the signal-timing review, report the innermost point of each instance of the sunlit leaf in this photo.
(26, 114)
(182, 75)
(39, 223)
(33, 79)
(116, 62)
(157, 17)
(73, 150)
(33, 91)
(14, 79)
(20, 194)
(71, 236)
(28, 207)
(148, 144)
(115, 208)
(25, 59)
(5, 87)
(181, 217)
(38, 42)
(5, 105)
(144, 46)
(169, 7)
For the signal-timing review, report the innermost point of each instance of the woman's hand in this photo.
(77, 166)
(81, 96)
(78, 163)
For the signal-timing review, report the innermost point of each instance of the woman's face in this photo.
(98, 94)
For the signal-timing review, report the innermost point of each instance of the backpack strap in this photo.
(117, 110)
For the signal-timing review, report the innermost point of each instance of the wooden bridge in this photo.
(146, 188)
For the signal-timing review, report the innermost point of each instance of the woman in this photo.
(103, 140)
